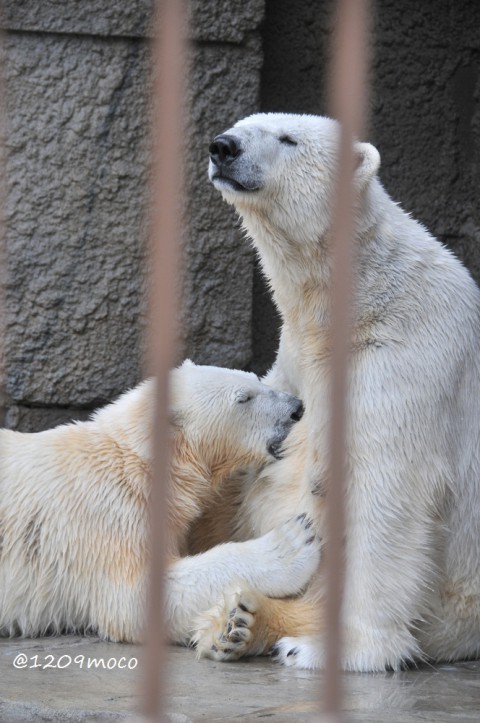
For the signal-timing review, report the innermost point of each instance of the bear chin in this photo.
(222, 183)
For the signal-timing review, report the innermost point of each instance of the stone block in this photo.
(214, 20)
(77, 172)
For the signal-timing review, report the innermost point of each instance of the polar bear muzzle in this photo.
(227, 171)
(275, 445)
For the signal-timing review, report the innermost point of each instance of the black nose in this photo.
(298, 413)
(224, 149)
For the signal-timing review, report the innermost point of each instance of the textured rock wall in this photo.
(77, 170)
(424, 112)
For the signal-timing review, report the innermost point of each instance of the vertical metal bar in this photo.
(168, 87)
(348, 80)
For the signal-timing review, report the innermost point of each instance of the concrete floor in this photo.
(208, 691)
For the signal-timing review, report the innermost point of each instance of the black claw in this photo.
(228, 650)
(293, 651)
(232, 613)
(214, 648)
(242, 607)
(310, 540)
(308, 524)
(235, 638)
(241, 623)
(302, 516)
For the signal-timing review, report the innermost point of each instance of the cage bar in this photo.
(167, 106)
(348, 106)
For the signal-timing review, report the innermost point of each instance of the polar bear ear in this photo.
(367, 163)
(187, 363)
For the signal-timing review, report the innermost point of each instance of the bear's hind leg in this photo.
(248, 623)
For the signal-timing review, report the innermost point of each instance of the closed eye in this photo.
(244, 398)
(287, 140)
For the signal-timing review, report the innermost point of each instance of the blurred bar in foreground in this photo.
(166, 204)
(348, 105)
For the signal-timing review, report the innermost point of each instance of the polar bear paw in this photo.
(228, 631)
(287, 557)
(371, 651)
(304, 652)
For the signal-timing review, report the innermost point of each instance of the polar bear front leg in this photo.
(388, 571)
(247, 623)
(284, 373)
(282, 561)
(389, 561)
(386, 575)
(279, 563)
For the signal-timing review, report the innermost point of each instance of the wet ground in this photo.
(81, 679)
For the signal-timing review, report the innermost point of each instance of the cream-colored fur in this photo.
(74, 509)
(413, 496)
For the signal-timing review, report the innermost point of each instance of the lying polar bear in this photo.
(413, 497)
(74, 499)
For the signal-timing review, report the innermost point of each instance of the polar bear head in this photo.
(228, 418)
(278, 170)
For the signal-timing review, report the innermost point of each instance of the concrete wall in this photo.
(77, 169)
(424, 113)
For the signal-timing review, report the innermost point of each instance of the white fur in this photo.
(413, 497)
(279, 563)
(74, 509)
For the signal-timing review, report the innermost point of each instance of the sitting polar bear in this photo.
(412, 585)
(74, 509)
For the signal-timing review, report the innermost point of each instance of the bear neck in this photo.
(222, 459)
(288, 267)
(199, 470)
(190, 483)
(299, 274)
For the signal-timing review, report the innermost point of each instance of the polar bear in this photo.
(412, 587)
(74, 508)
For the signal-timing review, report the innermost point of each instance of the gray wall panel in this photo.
(77, 167)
